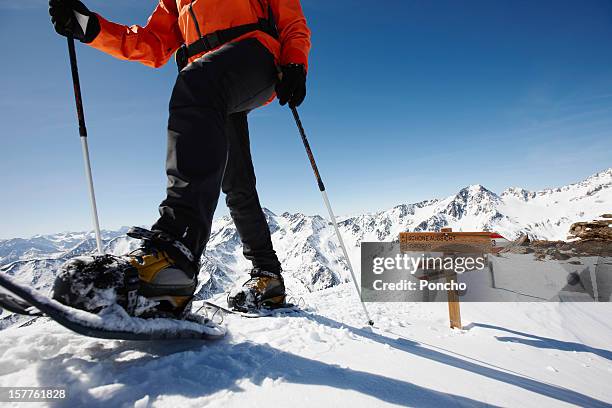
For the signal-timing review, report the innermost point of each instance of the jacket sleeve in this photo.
(293, 31)
(151, 45)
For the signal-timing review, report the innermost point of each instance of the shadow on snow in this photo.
(545, 342)
(193, 370)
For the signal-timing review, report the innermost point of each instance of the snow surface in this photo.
(511, 354)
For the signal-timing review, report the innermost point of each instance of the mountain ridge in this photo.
(307, 246)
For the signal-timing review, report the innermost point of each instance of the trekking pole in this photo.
(83, 133)
(315, 169)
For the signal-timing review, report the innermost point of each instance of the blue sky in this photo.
(407, 100)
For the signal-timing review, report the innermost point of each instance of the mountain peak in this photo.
(267, 212)
(519, 193)
(604, 177)
(475, 191)
(476, 188)
(472, 200)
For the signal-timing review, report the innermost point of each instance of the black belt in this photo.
(213, 40)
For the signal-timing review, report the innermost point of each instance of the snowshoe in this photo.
(16, 305)
(112, 322)
(215, 307)
(264, 290)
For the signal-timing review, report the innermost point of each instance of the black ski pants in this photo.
(209, 149)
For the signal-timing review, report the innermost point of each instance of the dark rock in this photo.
(523, 240)
(597, 230)
(558, 256)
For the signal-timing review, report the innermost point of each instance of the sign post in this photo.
(447, 241)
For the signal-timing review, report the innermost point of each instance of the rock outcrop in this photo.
(598, 230)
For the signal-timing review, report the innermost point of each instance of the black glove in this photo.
(292, 87)
(64, 19)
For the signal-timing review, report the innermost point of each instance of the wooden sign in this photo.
(447, 241)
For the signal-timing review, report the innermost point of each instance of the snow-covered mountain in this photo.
(308, 247)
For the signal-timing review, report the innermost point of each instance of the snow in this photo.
(510, 354)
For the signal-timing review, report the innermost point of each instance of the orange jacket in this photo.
(171, 25)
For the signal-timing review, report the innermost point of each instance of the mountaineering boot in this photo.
(166, 275)
(263, 290)
(156, 280)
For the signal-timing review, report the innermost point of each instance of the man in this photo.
(233, 55)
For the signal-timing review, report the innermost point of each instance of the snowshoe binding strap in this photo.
(162, 239)
(131, 284)
(253, 296)
(260, 273)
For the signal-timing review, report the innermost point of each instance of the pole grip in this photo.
(77, 87)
